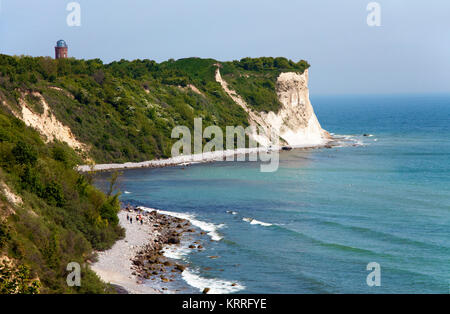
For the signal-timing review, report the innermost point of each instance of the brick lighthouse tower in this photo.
(61, 50)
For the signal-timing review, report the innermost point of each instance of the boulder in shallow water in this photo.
(173, 240)
(206, 290)
(180, 267)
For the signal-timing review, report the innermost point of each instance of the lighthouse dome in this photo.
(61, 43)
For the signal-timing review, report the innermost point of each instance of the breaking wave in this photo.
(216, 286)
(210, 228)
(176, 251)
(348, 140)
(256, 222)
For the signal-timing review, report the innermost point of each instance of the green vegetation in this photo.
(62, 219)
(17, 280)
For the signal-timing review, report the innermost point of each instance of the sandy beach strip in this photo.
(115, 265)
(174, 161)
(190, 159)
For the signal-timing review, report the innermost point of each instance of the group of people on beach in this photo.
(139, 218)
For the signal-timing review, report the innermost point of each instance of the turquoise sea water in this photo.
(325, 213)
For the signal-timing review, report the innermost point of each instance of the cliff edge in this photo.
(295, 120)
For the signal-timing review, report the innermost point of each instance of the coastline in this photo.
(114, 265)
(149, 259)
(136, 260)
(196, 158)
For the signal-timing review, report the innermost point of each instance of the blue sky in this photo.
(408, 53)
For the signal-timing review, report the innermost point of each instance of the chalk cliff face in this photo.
(295, 122)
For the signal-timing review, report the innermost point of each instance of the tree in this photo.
(113, 182)
(24, 153)
(99, 77)
(281, 63)
(48, 67)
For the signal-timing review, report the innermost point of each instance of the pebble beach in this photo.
(136, 264)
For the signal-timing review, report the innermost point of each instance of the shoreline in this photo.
(196, 158)
(135, 264)
(114, 265)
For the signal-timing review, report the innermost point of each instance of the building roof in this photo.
(61, 43)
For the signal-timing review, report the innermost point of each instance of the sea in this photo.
(371, 215)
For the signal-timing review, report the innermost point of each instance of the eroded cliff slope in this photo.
(295, 122)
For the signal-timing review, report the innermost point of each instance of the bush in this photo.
(53, 194)
(5, 235)
(24, 153)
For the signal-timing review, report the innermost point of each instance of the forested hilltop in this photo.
(126, 110)
(50, 215)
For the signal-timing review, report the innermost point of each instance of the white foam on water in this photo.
(348, 140)
(210, 228)
(257, 222)
(232, 212)
(216, 286)
(126, 192)
(176, 251)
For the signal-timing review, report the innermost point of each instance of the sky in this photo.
(408, 53)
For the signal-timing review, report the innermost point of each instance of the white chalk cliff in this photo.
(295, 122)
